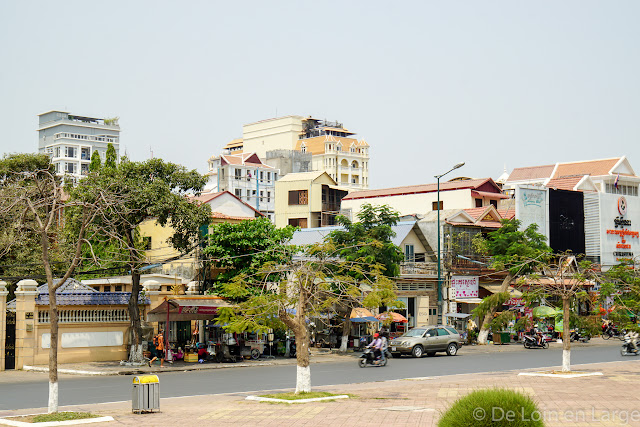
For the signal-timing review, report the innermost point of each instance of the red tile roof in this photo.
(417, 189)
(591, 167)
(489, 195)
(507, 213)
(567, 183)
(533, 172)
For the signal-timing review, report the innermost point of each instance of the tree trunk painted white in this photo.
(346, 328)
(482, 336)
(53, 397)
(303, 379)
(135, 352)
(566, 335)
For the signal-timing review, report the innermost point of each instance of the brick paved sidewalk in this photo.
(587, 401)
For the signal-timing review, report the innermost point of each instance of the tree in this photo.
(368, 239)
(620, 295)
(31, 191)
(95, 164)
(153, 189)
(111, 157)
(564, 279)
(517, 252)
(242, 248)
(316, 281)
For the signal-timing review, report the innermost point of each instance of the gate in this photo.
(10, 342)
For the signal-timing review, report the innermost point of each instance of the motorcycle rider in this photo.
(537, 334)
(385, 345)
(376, 344)
(632, 336)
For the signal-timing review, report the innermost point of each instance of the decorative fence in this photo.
(87, 316)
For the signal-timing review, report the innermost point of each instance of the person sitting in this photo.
(633, 339)
(538, 334)
(384, 348)
(179, 355)
(202, 353)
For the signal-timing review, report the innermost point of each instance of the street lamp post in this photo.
(458, 165)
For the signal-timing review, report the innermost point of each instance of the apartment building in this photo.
(70, 140)
(245, 176)
(333, 148)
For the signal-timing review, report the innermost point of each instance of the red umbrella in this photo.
(393, 316)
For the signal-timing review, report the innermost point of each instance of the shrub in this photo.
(492, 407)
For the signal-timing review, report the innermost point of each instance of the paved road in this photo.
(83, 390)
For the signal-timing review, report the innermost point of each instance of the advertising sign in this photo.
(531, 207)
(465, 286)
(619, 225)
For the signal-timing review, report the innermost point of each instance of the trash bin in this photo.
(146, 393)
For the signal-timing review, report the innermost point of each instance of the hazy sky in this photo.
(427, 84)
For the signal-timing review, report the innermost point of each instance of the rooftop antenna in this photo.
(151, 151)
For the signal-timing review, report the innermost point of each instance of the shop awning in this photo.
(391, 316)
(192, 308)
(514, 293)
(361, 314)
(457, 315)
(468, 300)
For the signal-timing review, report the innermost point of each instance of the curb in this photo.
(4, 421)
(144, 372)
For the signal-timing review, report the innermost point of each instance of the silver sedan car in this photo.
(427, 339)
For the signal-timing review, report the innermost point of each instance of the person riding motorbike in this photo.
(537, 334)
(376, 344)
(384, 348)
(632, 336)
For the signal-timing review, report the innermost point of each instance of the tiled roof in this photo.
(592, 167)
(207, 197)
(251, 159)
(219, 215)
(507, 213)
(417, 189)
(568, 183)
(533, 172)
(91, 298)
(475, 212)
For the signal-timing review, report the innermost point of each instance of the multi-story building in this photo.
(245, 176)
(588, 207)
(70, 140)
(332, 147)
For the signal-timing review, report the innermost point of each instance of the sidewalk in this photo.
(317, 356)
(607, 400)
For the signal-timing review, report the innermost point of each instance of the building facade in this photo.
(247, 177)
(332, 147)
(71, 140)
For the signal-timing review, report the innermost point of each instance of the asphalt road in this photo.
(85, 390)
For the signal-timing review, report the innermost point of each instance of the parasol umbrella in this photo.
(544, 311)
(390, 316)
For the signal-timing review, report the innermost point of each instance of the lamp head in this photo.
(458, 165)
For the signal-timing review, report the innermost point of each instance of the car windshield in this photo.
(415, 333)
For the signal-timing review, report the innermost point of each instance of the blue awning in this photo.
(364, 319)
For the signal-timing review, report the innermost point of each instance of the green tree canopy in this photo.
(111, 157)
(96, 162)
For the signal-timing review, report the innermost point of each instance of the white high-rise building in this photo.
(70, 140)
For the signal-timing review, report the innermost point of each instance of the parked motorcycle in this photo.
(581, 336)
(627, 349)
(532, 342)
(292, 348)
(368, 358)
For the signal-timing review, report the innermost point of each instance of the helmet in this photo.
(535, 326)
(376, 335)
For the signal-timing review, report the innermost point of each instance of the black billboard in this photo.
(566, 221)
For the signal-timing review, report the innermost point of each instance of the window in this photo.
(70, 167)
(238, 193)
(261, 175)
(494, 203)
(409, 254)
(107, 289)
(57, 151)
(238, 174)
(431, 333)
(303, 148)
(268, 176)
(478, 203)
(268, 196)
(434, 205)
(69, 152)
(452, 331)
(261, 195)
(433, 312)
(118, 288)
(442, 332)
(299, 197)
(146, 240)
(298, 222)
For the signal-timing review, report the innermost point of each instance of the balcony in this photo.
(418, 268)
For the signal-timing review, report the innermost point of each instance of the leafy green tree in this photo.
(32, 196)
(111, 157)
(242, 249)
(315, 281)
(518, 252)
(369, 241)
(620, 285)
(96, 163)
(152, 189)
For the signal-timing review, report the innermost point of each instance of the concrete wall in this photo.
(274, 134)
(289, 161)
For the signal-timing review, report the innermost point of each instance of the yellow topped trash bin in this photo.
(146, 393)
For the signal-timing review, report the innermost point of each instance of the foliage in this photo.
(621, 284)
(489, 303)
(243, 248)
(369, 239)
(492, 407)
(96, 162)
(502, 320)
(62, 416)
(514, 250)
(111, 157)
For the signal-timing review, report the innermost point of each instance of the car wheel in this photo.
(452, 349)
(431, 353)
(417, 351)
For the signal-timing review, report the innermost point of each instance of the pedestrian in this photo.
(158, 342)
